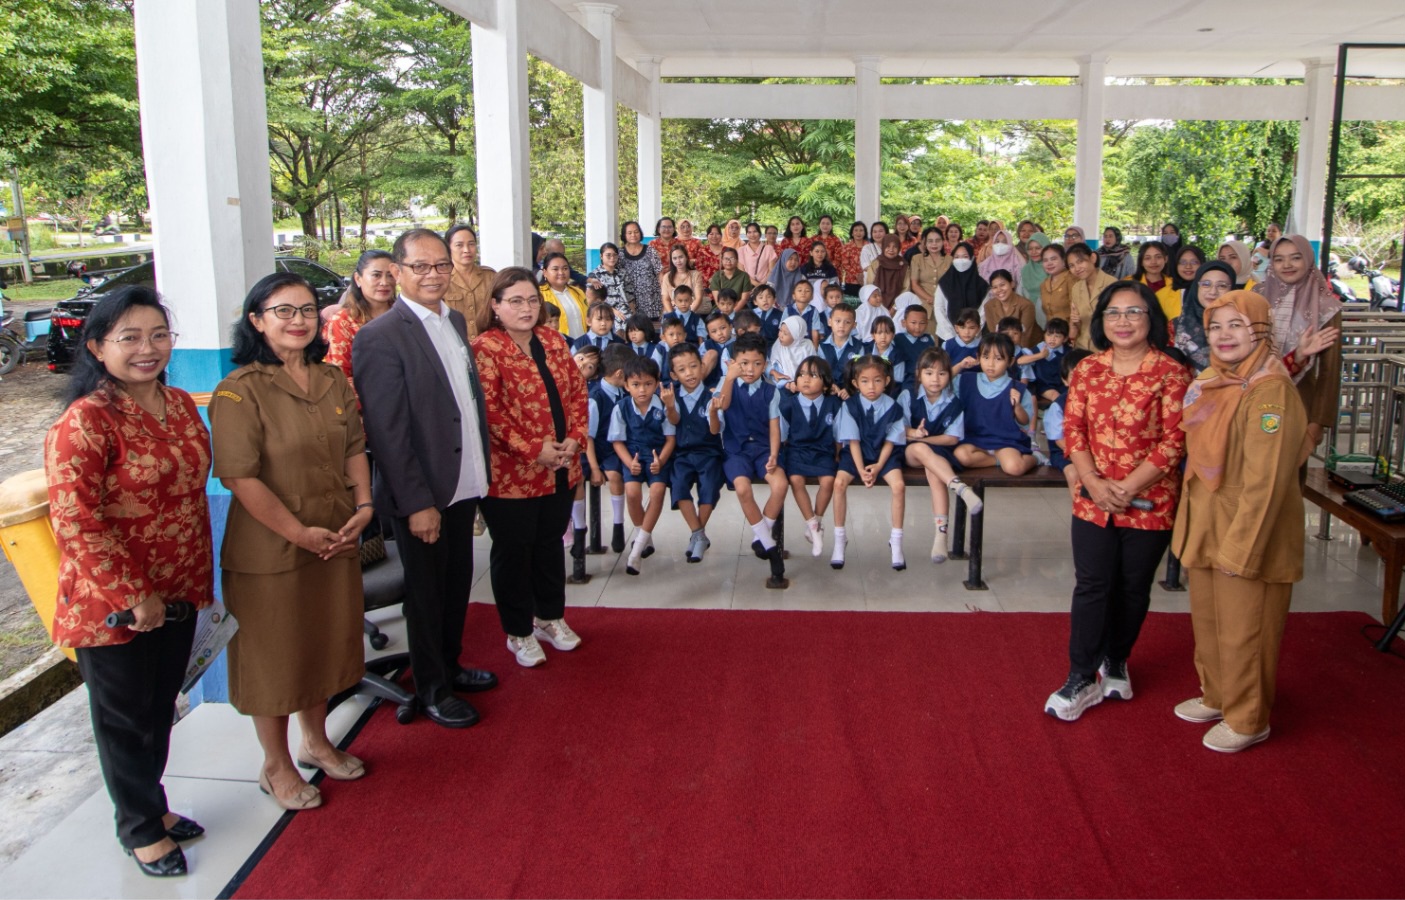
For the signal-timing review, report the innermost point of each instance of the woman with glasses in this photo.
(289, 447)
(126, 466)
(1122, 431)
(1212, 280)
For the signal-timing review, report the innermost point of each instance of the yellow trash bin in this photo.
(29, 543)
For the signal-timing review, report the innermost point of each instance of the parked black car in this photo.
(68, 316)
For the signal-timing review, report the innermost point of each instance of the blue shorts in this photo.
(946, 453)
(809, 461)
(701, 469)
(749, 463)
(895, 461)
(1057, 458)
(992, 444)
(1037, 388)
(606, 456)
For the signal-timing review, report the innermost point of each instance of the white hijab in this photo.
(786, 360)
(867, 312)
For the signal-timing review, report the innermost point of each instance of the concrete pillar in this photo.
(1314, 142)
(868, 174)
(650, 149)
(500, 140)
(204, 129)
(1088, 167)
(602, 141)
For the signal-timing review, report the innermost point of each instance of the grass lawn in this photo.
(43, 291)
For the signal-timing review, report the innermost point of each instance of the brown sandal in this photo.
(307, 797)
(349, 769)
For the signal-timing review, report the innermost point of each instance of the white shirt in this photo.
(453, 354)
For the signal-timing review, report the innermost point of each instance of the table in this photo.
(1387, 538)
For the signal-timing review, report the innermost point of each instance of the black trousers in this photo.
(527, 562)
(132, 690)
(1114, 568)
(438, 577)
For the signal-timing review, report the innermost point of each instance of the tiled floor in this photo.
(214, 759)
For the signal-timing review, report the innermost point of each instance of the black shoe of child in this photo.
(648, 552)
(617, 539)
(759, 550)
(777, 558)
(578, 545)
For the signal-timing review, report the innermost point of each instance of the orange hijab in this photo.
(727, 240)
(1213, 399)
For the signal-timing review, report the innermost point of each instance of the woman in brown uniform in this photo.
(1239, 529)
(1307, 323)
(288, 444)
(470, 284)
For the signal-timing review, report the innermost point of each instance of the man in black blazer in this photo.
(422, 407)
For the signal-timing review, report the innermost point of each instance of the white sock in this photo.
(839, 541)
(578, 514)
(763, 534)
(770, 523)
(895, 543)
(941, 523)
(939, 554)
(617, 508)
(636, 551)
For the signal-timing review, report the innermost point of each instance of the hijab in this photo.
(733, 242)
(891, 272)
(1314, 304)
(1213, 399)
(784, 281)
(1032, 275)
(1190, 326)
(1081, 236)
(787, 359)
(994, 227)
(1246, 262)
(1110, 257)
(963, 290)
(1011, 262)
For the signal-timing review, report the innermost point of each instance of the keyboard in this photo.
(1385, 501)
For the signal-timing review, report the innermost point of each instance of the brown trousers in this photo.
(1238, 624)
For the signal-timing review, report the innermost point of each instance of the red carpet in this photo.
(774, 754)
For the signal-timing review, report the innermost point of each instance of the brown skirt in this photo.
(299, 637)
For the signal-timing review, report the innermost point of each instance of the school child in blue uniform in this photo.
(694, 325)
(870, 431)
(725, 301)
(604, 465)
(643, 339)
(1045, 372)
(935, 425)
(1054, 419)
(672, 333)
(697, 459)
(998, 411)
(600, 329)
(719, 341)
(643, 439)
(841, 347)
(832, 298)
(964, 348)
(911, 342)
(807, 429)
(768, 313)
(882, 346)
(588, 361)
(1020, 370)
(751, 442)
(800, 305)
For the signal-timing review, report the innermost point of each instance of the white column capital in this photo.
(1311, 64)
(649, 62)
(1092, 60)
(598, 11)
(867, 62)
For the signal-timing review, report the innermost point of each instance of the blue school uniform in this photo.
(910, 350)
(591, 339)
(603, 399)
(770, 324)
(654, 350)
(958, 349)
(990, 422)
(945, 416)
(1045, 374)
(895, 386)
(644, 435)
(1054, 431)
(807, 430)
(871, 424)
(694, 328)
(814, 318)
(697, 458)
(746, 429)
(714, 378)
(839, 357)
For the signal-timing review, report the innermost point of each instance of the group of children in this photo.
(784, 396)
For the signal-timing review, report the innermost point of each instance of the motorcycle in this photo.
(1385, 291)
(1340, 288)
(16, 341)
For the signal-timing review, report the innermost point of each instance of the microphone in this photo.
(175, 612)
(1137, 502)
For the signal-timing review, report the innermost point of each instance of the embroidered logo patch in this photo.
(231, 395)
(1270, 422)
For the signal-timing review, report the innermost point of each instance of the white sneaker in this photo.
(556, 633)
(1076, 696)
(528, 652)
(814, 533)
(1117, 683)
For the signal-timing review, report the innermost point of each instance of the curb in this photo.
(32, 689)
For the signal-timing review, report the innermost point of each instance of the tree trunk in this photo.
(336, 211)
(309, 222)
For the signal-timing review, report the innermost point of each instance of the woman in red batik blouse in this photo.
(127, 464)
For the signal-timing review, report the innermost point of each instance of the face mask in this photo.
(961, 264)
(1170, 240)
(1001, 249)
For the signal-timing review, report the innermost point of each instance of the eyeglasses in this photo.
(1131, 313)
(133, 342)
(1213, 286)
(522, 302)
(287, 311)
(443, 268)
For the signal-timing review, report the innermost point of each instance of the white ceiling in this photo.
(930, 38)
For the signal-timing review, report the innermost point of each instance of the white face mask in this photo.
(961, 264)
(1170, 240)
(1001, 249)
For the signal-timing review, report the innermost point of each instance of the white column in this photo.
(650, 148)
(602, 140)
(205, 137)
(1314, 142)
(500, 140)
(1088, 167)
(867, 165)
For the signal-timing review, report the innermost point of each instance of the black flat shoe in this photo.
(185, 829)
(617, 539)
(168, 866)
(451, 712)
(471, 681)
